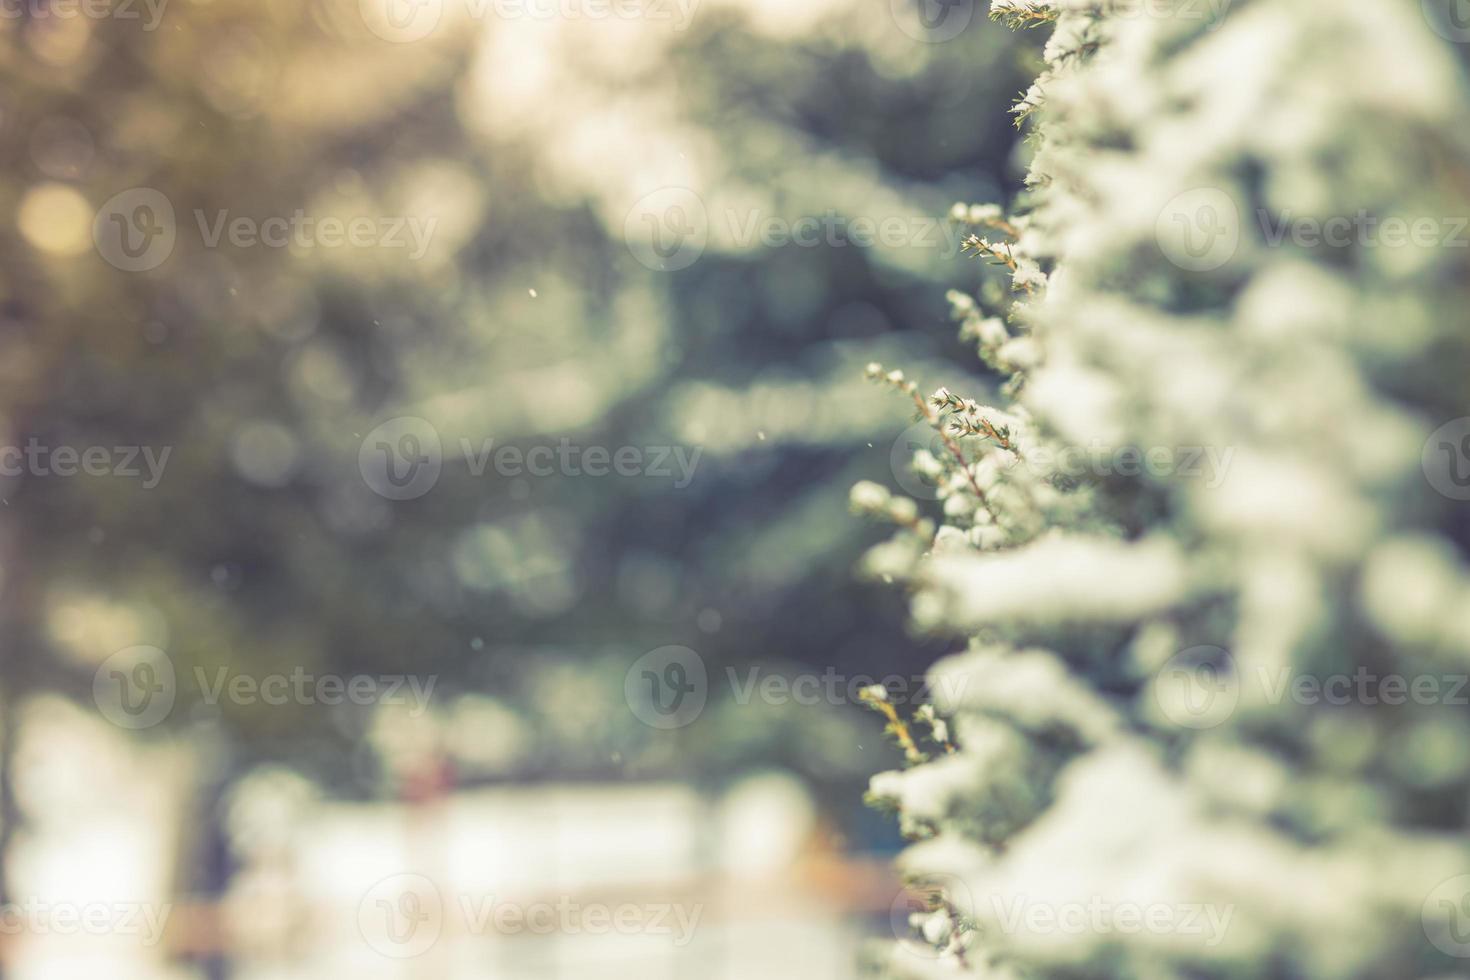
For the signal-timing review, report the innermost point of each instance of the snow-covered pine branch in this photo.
(1210, 496)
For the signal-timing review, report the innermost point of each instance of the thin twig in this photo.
(933, 419)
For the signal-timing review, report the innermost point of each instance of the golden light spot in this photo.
(56, 219)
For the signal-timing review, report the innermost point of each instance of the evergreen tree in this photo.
(1207, 550)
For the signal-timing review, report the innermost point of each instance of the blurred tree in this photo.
(527, 319)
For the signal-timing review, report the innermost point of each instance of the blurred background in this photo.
(425, 435)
